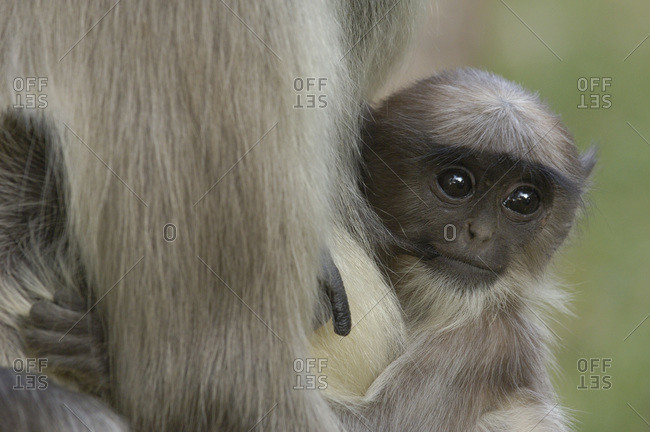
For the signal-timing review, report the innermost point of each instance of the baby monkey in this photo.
(475, 184)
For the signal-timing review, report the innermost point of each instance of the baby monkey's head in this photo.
(473, 175)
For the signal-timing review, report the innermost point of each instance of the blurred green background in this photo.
(547, 47)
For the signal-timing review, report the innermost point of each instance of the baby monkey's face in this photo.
(473, 211)
(473, 175)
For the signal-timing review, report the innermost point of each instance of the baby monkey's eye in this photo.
(524, 200)
(456, 182)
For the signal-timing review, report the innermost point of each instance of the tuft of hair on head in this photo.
(477, 111)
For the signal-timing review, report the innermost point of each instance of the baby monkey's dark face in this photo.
(471, 212)
(473, 175)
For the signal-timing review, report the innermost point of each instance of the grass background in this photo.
(607, 265)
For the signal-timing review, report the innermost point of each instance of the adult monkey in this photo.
(149, 116)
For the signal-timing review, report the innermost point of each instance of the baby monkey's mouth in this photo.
(459, 265)
(478, 263)
(470, 268)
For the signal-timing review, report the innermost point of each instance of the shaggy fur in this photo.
(53, 409)
(476, 354)
(148, 115)
(180, 113)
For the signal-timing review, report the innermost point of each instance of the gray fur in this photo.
(52, 409)
(477, 353)
(169, 96)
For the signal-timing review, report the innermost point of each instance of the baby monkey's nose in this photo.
(480, 230)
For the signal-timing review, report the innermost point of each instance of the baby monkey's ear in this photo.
(588, 160)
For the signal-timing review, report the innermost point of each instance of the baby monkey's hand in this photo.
(65, 331)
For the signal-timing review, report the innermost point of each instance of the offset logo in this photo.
(29, 92)
(29, 374)
(310, 92)
(594, 92)
(594, 374)
(309, 374)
